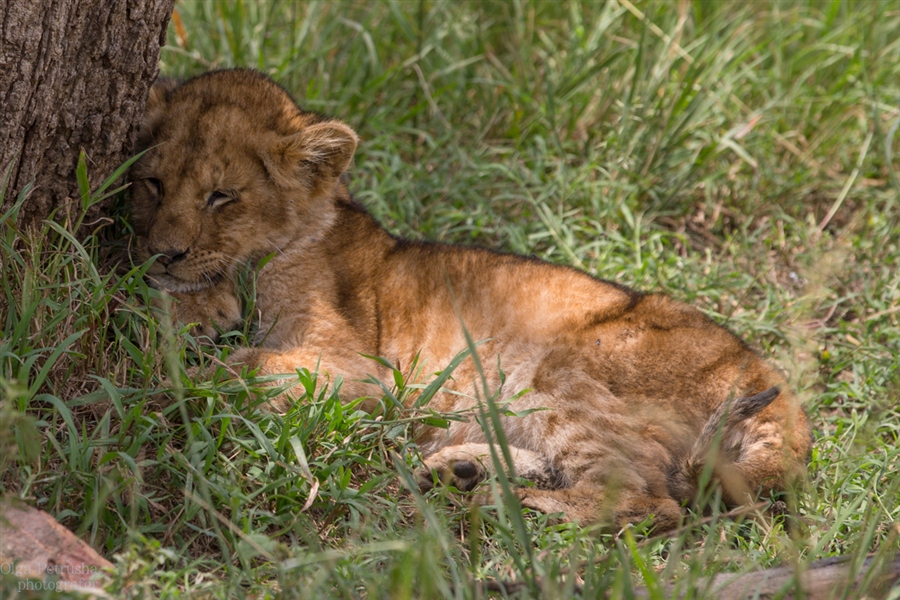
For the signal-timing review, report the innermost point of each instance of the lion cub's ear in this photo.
(159, 93)
(155, 110)
(322, 151)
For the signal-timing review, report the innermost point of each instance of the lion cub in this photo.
(639, 391)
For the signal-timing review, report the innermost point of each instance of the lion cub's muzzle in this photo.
(179, 270)
(169, 256)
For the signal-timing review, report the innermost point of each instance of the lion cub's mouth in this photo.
(161, 277)
(170, 283)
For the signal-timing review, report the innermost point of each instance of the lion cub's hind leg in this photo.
(589, 505)
(466, 465)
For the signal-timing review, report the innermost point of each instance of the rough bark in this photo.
(837, 577)
(822, 580)
(74, 75)
(829, 578)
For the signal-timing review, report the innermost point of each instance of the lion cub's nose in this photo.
(169, 255)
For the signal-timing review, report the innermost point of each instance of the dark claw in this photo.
(426, 480)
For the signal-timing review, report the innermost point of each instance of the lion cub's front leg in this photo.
(352, 369)
(211, 310)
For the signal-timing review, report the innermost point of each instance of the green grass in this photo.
(739, 156)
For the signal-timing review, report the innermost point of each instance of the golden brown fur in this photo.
(640, 391)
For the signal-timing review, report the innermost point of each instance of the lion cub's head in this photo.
(235, 170)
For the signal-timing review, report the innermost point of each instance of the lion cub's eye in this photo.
(219, 197)
(155, 185)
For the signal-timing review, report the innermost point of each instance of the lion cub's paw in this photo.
(466, 465)
(454, 466)
(211, 310)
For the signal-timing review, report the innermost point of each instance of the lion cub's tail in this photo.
(718, 428)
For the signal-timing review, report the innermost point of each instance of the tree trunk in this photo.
(74, 76)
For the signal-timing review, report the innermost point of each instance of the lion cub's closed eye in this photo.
(639, 391)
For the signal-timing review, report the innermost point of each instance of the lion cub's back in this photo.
(640, 345)
(427, 290)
